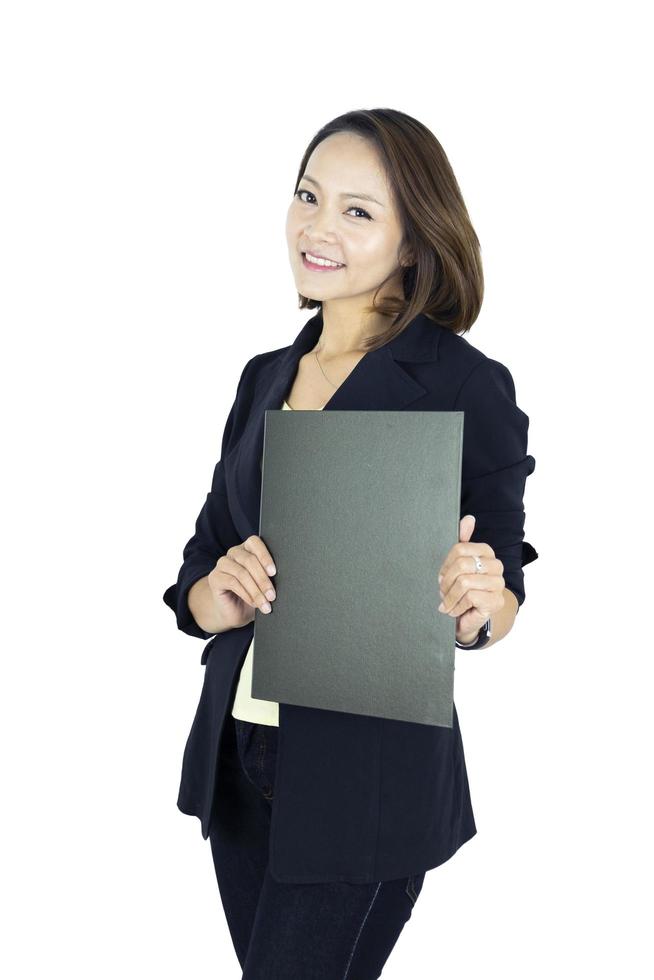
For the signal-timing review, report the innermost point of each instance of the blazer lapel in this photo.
(376, 383)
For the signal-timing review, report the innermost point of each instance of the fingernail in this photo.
(441, 608)
(266, 607)
(270, 594)
(271, 569)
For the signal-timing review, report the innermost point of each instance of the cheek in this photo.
(291, 222)
(376, 255)
(294, 221)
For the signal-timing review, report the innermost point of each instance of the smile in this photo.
(320, 265)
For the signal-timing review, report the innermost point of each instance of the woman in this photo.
(322, 823)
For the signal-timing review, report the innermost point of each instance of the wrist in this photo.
(482, 639)
(202, 606)
(468, 638)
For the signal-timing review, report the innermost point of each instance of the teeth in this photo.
(316, 261)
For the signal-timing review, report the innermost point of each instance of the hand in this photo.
(470, 595)
(240, 582)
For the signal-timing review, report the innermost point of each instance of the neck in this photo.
(344, 331)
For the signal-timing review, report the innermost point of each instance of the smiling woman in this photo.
(324, 823)
(375, 192)
(342, 252)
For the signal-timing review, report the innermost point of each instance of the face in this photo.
(332, 215)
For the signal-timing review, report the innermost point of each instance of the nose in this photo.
(321, 231)
(318, 245)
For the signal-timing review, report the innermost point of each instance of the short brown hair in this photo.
(445, 280)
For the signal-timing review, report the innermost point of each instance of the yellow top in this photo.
(245, 707)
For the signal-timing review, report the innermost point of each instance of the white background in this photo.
(149, 156)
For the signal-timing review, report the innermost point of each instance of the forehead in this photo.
(349, 165)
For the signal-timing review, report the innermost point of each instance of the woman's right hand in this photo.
(240, 581)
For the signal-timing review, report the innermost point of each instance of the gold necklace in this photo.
(323, 373)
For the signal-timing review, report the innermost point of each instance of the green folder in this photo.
(359, 510)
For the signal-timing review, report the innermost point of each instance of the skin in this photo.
(367, 237)
(471, 596)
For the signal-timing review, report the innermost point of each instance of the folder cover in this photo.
(359, 510)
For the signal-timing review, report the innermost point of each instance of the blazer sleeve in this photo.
(495, 467)
(213, 536)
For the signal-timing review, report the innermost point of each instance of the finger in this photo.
(466, 564)
(482, 602)
(463, 549)
(249, 559)
(230, 572)
(222, 581)
(469, 590)
(464, 604)
(257, 546)
(466, 527)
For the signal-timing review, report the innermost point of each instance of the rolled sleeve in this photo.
(209, 542)
(200, 555)
(495, 467)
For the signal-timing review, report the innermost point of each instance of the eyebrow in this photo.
(360, 197)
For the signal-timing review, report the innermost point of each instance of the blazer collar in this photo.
(417, 342)
(376, 383)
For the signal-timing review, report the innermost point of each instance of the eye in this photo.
(301, 192)
(354, 207)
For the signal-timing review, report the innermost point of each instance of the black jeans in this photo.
(283, 931)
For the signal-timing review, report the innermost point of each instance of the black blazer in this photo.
(356, 798)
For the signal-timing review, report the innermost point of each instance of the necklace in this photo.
(323, 373)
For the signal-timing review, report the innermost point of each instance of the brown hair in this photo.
(445, 280)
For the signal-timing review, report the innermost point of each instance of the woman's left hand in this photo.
(470, 595)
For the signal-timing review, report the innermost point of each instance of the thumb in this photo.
(466, 527)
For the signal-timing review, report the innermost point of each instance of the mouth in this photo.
(323, 266)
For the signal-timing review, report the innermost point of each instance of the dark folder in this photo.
(359, 510)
